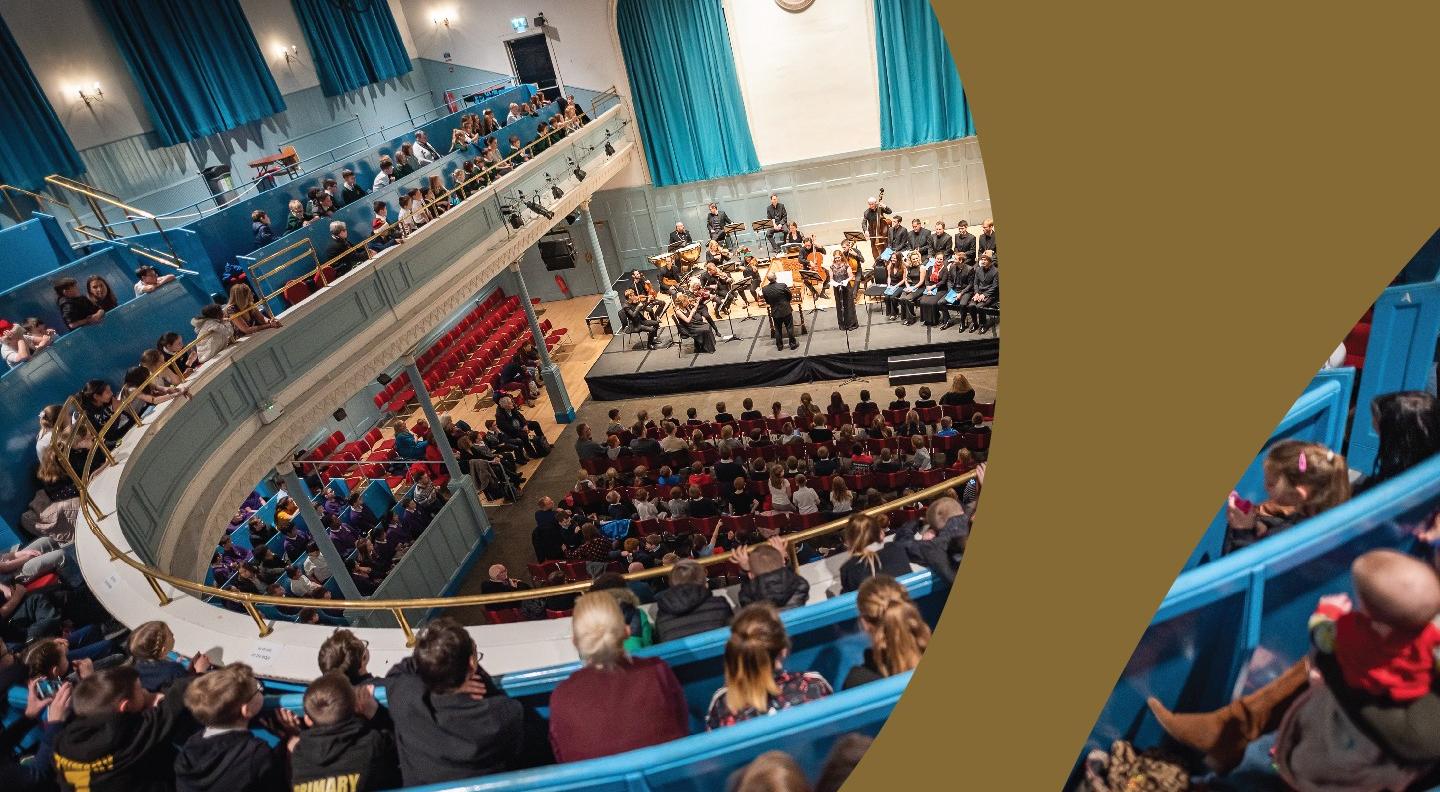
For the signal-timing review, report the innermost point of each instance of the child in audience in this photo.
(756, 682)
(344, 748)
(1301, 480)
(226, 756)
(120, 737)
(98, 289)
(212, 332)
(76, 309)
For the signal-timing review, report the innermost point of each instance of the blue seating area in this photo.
(32, 249)
(227, 234)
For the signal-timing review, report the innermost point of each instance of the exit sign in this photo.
(520, 24)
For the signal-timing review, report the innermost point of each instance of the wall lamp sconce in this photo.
(443, 18)
(290, 54)
(91, 96)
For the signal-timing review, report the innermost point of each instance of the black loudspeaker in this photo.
(383, 379)
(339, 414)
(558, 252)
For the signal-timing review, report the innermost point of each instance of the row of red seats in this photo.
(856, 482)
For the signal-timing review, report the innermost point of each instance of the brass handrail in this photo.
(95, 197)
(608, 93)
(139, 250)
(468, 185)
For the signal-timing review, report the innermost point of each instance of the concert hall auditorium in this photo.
(448, 395)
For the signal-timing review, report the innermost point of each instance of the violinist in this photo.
(641, 285)
(638, 316)
(717, 283)
(856, 260)
(716, 254)
(749, 281)
(694, 324)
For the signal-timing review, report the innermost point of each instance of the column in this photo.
(549, 372)
(441, 440)
(610, 298)
(317, 531)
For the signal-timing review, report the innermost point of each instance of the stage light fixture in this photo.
(556, 192)
(579, 174)
(572, 217)
(609, 149)
(533, 204)
(515, 221)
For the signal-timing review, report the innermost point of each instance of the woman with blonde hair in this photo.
(870, 555)
(756, 682)
(245, 313)
(961, 392)
(614, 702)
(898, 635)
(772, 771)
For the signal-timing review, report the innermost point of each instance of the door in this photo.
(530, 59)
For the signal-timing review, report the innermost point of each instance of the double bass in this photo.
(879, 228)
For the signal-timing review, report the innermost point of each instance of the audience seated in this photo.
(756, 682)
(687, 606)
(616, 702)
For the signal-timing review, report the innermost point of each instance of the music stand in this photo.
(855, 236)
(729, 232)
(762, 229)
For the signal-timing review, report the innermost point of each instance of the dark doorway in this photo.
(530, 57)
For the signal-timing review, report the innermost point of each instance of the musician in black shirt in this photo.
(716, 221)
(986, 240)
(962, 282)
(669, 274)
(749, 281)
(899, 237)
(812, 272)
(874, 213)
(680, 237)
(965, 241)
(911, 291)
(943, 243)
(987, 294)
(636, 314)
(920, 239)
(782, 319)
(779, 219)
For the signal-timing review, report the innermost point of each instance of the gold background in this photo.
(1197, 201)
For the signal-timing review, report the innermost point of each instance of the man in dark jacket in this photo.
(769, 578)
(727, 469)
(341, 253)
(452, 720)
(687, 607)
(118, 739)
(343, 749)
(517, 429)
(937, 543)
(585, 445)
(548, 538)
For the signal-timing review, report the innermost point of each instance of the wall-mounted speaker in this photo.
(383, 379)
(339, 414)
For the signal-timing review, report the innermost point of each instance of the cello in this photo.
(879, 228)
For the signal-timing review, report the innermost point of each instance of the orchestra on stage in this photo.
(921, 276)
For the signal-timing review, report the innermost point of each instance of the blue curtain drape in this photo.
(197, 66)
(683, 85)
(352, 48)
(921, 99)
(33, 144)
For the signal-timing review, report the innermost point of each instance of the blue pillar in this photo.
(607, 285)
(441, 440)
(549, 372)
(318, 533)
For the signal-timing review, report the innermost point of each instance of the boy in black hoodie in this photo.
(769, 579)
(226, 756)
(452, 720)
(120, 736)
(342, 749)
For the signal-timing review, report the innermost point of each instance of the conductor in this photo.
(777, 295)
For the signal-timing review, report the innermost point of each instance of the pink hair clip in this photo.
(1301, 462)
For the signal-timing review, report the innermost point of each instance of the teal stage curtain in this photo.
(196, 65)
(352, 49)
(33, 144)
(921, 99)
(683, 85)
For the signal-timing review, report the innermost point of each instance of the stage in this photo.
(752, 360)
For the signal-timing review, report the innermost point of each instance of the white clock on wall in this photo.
(794, 6)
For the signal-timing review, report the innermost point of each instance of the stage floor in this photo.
(751, 360)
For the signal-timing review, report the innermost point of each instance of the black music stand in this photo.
(762, 229)
(729, 232)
